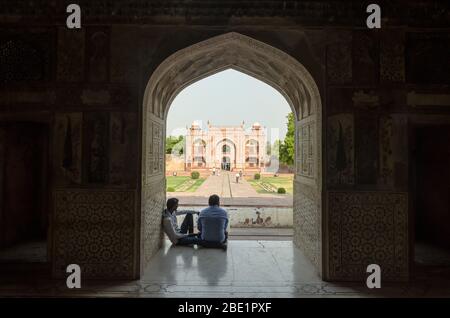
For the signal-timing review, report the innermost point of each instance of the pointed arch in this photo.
(271, 66)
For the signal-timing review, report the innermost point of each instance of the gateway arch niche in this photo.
(263, 62)
(226, 154)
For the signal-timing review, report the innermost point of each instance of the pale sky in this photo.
(228, 98)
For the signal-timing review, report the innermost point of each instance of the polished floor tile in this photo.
(248, 269)
(245, 261)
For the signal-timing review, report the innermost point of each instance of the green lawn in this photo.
(176, 181)
(197, 184)
(271, 184)
(184, 184)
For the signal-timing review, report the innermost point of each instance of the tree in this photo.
(287, 148)
(174, 145)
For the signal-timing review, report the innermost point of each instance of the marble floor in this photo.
(32, 252)
(261, 234)
(428, 254)
(261, 269)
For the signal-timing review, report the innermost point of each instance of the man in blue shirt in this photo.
(213, 223)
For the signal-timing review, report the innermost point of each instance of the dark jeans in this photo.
(213, 244)
(189, 240)
(188, 224)
(188, 227)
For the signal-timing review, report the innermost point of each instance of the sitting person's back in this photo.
(213, 222)
(213, 227)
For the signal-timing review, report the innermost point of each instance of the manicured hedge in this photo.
(281, 190)
(195, 174)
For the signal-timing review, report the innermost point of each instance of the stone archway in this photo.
(268, 64)
(226, 148)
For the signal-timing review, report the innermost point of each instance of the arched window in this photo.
(199, 147)
(252, 147)
(226, 149)
(252, 153)
(252, 162)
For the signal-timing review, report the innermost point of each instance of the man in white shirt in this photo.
(179, 235)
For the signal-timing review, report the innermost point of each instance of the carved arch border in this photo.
(226, 140)
(252, 57)
(263, 62)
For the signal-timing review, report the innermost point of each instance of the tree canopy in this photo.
(287, 147)
(174, 145)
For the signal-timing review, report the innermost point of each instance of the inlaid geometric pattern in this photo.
(94, 229)
(22, 60)
(154, 152)
(305, 150)
(368, 228)
(307, 224)
(392, 57)
(154, 204)
(71, 55)
(306, 12)
(339, 61)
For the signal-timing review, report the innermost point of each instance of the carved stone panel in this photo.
(96, 147)
(368, 228)
(307, 223)
(123, 145)
(366, 138)
(341, 150)
(393, 153)
(98, 55)
(392, 57)
(339, 60)
(427, 59)
(26, 56)
(67, 149)
(154, 146)
(70, 55)
(366, 99)
(96, 230)
(124, 62)
(243, 53)
(386, 172)
(305, 149)
(339, 100)
(307, 13)
(154, 195)
(365, 57)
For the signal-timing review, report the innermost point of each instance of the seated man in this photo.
(179, 236)
(212, 224)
